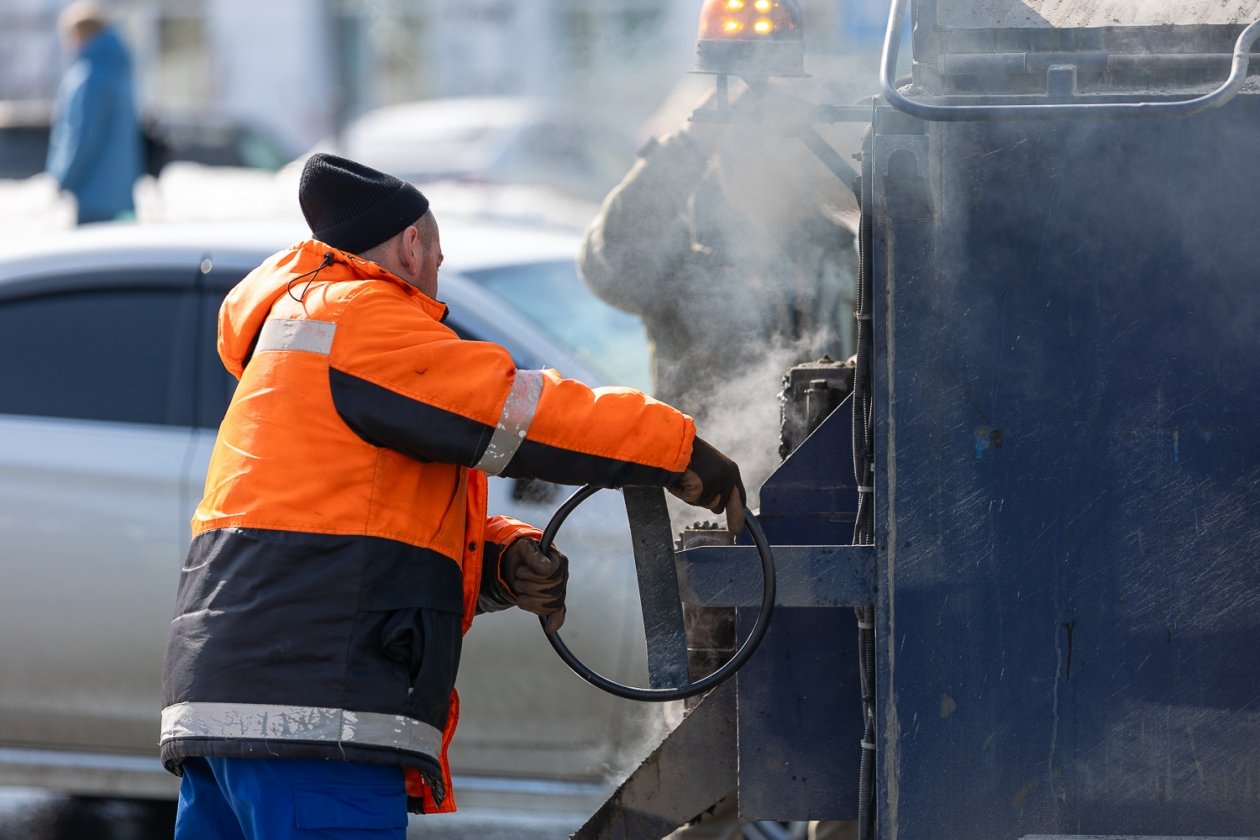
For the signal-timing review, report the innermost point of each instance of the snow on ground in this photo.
(32, 206)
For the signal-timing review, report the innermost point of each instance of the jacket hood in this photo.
(248, 305)
(106, 51)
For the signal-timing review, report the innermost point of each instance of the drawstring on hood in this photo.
(274, 283)
(313, 274)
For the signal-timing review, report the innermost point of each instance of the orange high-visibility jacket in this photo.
(337, 554)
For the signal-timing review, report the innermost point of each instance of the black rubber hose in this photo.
(860, 379)
(863, 433)
(663, 695)
(866, 774)
(868, 394)
(863, 458)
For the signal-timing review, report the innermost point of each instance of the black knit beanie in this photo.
(353, 207)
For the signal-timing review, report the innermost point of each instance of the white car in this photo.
(110, 395)
(490, 140)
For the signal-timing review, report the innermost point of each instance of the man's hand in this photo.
(712, 481)
(537, 581)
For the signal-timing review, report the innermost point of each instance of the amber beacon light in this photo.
(751, 38)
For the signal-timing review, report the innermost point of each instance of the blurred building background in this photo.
(302, 68)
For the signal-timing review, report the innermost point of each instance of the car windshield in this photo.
(551, 295)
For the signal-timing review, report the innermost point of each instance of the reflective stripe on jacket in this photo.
(337, 553)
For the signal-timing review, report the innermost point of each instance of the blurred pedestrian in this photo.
(95, 149)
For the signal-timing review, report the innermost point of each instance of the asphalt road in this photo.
(40, 816)
(34, 815)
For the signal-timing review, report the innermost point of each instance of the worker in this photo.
(342, 546)
(731, 243)
(95, 147)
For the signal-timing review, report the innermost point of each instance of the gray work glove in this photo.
(712, 481)
(538, 581)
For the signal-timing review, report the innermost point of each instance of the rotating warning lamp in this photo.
(751, 38)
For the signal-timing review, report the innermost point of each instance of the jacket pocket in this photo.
(427, 643)
(405, 640)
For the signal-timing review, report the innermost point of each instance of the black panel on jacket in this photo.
(564, 466)
(386, 418)
(278, 617)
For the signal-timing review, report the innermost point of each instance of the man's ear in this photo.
(409, 256)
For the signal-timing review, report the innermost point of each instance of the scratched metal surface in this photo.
(1069, 478)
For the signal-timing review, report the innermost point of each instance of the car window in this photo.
(552, 296)
(121, 355)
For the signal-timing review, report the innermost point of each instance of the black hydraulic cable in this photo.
(863, 433)
(863, 463)
(866, 774)
(859, 374)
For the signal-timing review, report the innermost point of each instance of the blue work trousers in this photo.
(277, 799)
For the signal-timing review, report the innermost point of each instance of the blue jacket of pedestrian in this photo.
(95, 149)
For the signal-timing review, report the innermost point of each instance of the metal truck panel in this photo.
(1068, 477)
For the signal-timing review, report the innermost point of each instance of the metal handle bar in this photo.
(1058, 110)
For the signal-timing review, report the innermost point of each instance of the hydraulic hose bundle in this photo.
(864, 472)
